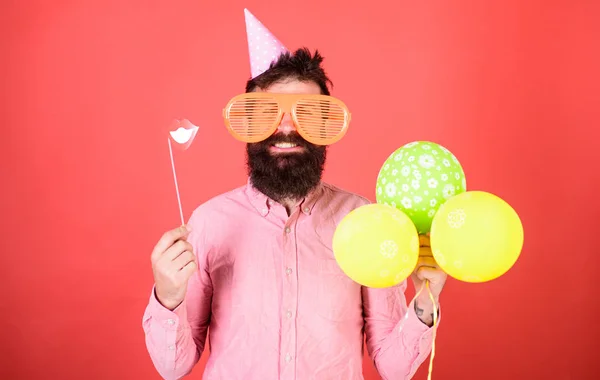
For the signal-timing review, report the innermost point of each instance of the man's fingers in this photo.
(184, 259)
(189, 269)
(177, 249)
(426, 273)
(168, 239)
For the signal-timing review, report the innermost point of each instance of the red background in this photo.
(510, 87)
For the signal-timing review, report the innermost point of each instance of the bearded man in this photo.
(254, 268)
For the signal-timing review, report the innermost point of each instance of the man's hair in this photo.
(301, 66)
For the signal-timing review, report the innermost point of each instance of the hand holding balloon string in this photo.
(427, 275)
(476, 236)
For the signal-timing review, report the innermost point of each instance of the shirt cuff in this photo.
(169, 319)
(414, 327)
(418, 331)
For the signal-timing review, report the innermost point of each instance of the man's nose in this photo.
(287, 124)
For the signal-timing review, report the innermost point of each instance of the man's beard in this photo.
(283, 176)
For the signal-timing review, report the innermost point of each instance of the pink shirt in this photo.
(275, 301)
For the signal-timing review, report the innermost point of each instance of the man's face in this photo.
(285, 166)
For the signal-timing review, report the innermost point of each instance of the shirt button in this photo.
(170, 322)
(288, 271)
(171, 348)
(288, 314)
(287, 230)
(288, 357)
(305, 209)
(264, 211)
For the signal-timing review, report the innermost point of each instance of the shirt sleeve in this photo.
(175, 339)
(397, 340)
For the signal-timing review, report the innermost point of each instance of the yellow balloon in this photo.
(476, 236)
(376, 245)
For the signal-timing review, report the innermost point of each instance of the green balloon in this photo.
(417, 179)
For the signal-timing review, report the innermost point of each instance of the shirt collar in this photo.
(262, 203)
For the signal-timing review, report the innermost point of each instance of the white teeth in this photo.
(285, 145)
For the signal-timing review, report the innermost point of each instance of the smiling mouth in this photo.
(285, 145)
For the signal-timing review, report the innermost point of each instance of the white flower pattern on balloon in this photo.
(406, 202)
(390, 189)
(377, 216)
(402, 275)
(418, 178)
(439, 257)
(456, 218)
(448, 191)
(427, 161)
(388, 249)
(398, 219)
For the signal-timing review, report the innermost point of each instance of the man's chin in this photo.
(286, 159)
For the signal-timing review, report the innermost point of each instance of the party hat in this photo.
(263, 47)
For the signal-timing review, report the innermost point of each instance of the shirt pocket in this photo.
(338, 296)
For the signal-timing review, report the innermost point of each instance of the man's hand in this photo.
(173, 263)
(427, 270)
